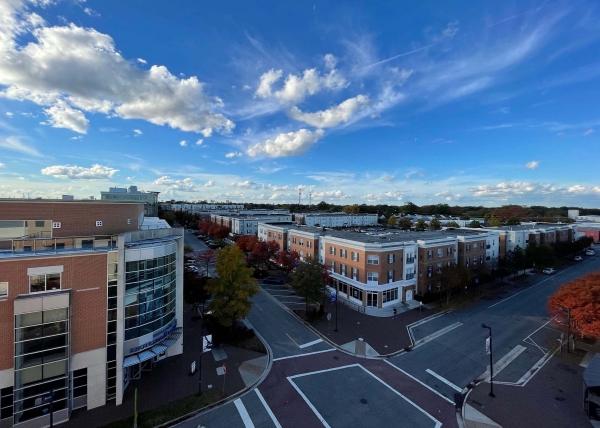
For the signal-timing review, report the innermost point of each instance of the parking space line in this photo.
(243, 413)
(267, 408)
(308, 403)
(314, 342)
(419, 381)
(443, 379)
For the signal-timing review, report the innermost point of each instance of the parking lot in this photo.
(283, 292)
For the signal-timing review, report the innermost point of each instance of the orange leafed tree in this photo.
(582, 297)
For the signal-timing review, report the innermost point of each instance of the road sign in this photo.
(487, 345)
(206, 342)
(193, 367)
(328, 316)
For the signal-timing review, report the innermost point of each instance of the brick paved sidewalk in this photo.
(553, 398)
(384, 334)
(169, 380)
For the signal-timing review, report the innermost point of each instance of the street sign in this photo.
(193, 367)
(328, 316)
(206, 342)
(487, 345)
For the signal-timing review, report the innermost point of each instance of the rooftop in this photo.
(394, 235)
(65, 201)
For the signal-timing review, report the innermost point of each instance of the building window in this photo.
(354, 273)
(39, 223)
(390, 276)
(390, 295)
(440, 252)
(429, 254)
(371, 299)
(391, 258)
(44, 282)
(98, 223)
(372, 260)
(3, 289)
(372, 277)
(56, 225)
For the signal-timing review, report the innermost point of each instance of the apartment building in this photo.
(591, 230)
(335, 219)
(87, 300)
(132, 194)
(511, 237)
(248, 225)
(275, 232)
(304, 240)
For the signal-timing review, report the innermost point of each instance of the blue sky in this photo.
(374, 102)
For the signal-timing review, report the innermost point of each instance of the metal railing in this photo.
(27, 246)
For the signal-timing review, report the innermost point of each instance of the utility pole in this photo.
(489, 350)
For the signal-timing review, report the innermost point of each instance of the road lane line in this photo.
(307, 344)
(292, 339)
(303, 355)
(443, 379)
(267, 408)
(419, 381)
(437, 334)
(243, 413)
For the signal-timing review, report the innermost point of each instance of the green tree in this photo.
(453, 224)
(404, 223)
(435, 224)
(420, 225)
(475, 223)
(351, 209)
(494, 221)
(233, 287)
(309, 281)
(454, 277)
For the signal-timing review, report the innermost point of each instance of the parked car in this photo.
(548, 271)
(578, 258)
(590, 252)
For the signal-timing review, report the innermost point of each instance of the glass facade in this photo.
(41, 363)
(150, 295)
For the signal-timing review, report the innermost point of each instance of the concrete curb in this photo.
(235, 395)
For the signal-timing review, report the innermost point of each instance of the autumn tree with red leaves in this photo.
(582, 297)
(288, 260)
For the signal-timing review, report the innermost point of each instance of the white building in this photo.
(335, 219)
(242, 225)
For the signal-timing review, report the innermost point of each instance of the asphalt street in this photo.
(194, 242)
(452, 352)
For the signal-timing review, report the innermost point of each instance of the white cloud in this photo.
(61, 115)
(587, 132)
(577, 188)
(2, 165)
(137, 132)
(334, 116)
(232, 155)
(209, 183)
(182, 185)
(532, 164)
(246, 184)
(74, 172)
(183, 143)
(90, 12)
(9, 114)
(329, 194)
(298, 86)
(142, 61)
(286, 144)
(16, 145)
(330, 61)
(83, 68)
(199, 142)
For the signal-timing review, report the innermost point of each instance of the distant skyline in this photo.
(356, 102)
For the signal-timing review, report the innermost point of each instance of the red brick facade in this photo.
(85, 275)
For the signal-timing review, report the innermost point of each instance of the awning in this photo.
(155, 351)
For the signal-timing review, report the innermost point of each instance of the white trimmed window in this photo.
(373, 276)
(56, 225)
(44, 282)
(128, 221)
(372, 260)
(98, 223)
(391, 258)
(3, 289)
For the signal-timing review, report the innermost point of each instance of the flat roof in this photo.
(394, 235)
(530, 226)
(308, 229)
(335, 214)
(68, 201)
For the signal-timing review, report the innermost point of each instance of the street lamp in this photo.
(489, 350)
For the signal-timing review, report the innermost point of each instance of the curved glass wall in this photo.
(150, 294)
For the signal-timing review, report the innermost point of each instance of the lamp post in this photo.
(489, 350)
(568, 311)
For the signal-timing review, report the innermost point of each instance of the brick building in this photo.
(86, 301)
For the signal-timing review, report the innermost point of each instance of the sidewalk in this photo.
(553, 398)
(384, 334)
(169, 380)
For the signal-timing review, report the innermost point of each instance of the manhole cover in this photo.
(559, 398)
(363, 401)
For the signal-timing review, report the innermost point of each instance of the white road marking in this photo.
(307, 344)
(267, 408)
(437, 334)
(421, 382)
(437, 423)
(243, 413)
(292, 339)
(529, 288)
(443, 379)
(503, 362)
(303, 355)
